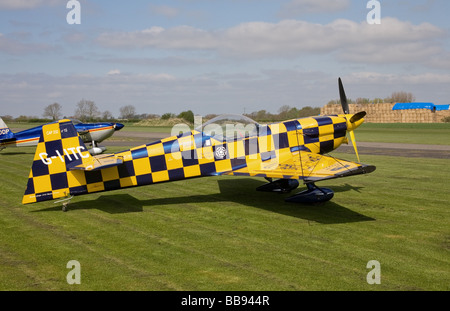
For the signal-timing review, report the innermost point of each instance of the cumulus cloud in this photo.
(392, 41)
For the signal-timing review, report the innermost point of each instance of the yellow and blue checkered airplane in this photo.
(287, 152)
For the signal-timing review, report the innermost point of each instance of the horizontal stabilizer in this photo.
(97, 163)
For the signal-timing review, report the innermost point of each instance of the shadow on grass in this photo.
(13, 153)
(241, 191)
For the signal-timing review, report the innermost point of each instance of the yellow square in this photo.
(128, 181)
(236, 150)
(253, 161)
(326, 129)
(110, 173)
(141, 166)
(223, 166)
(160, 176)
(71, 142)
(191, 171)
(31, 198)
(42, 184)
(294, 138)
(76, 178)
(277, 128)
(186, 143)
(205, 155)
(57, 166)
(174, 160)
(308, 123)
(51, 132)
(98, 186)
(155, 150)
(265, 143)
(60, 193)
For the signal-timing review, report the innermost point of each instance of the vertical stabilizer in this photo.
(59, 148)
(5, 132)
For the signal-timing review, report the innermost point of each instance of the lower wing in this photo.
(309, 167)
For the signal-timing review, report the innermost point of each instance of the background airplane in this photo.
(92, 133)
(287, 151)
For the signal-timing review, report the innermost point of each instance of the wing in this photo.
(309, 167)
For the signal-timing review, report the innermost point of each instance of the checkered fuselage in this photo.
(188, 155)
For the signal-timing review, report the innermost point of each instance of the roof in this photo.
(442, 107)
(403, 106)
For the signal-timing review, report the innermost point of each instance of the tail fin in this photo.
(5, 132)
(59, 149)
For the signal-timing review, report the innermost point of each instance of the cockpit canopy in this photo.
(229, 127)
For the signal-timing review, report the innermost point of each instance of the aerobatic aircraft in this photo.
(282, 153)
(92, 133)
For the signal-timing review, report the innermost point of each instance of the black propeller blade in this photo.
(357, 116)
(343, 98)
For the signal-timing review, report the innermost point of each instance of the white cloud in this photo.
(392, 41)
(113, 72)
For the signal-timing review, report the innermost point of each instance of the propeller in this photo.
(343, 98)
(353, 121)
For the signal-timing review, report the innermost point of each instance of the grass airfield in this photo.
(218, 233)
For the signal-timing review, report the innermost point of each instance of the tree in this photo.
(127, 112)
(107, 115)
(53, 111)
(86, 110)
(167, 116)
(187, 116)
(401, 97)
(361, 100)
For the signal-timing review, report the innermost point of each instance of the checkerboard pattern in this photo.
(189, 155)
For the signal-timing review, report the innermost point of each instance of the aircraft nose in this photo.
(118, 126)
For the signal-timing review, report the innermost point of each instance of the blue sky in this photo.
(218, 56)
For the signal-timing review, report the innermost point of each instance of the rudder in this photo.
(59, 148)
(5, 132)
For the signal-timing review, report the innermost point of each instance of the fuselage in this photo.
(62, 165)
(196, 153)
(89, 132)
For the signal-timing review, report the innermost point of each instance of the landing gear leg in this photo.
(65, 203)
(313, 194)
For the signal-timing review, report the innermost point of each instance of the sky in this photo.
(218, 56)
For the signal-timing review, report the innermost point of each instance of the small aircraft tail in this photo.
(5, 132)
(59, 150)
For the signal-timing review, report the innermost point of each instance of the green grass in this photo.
(218, 233)
(410, 133)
